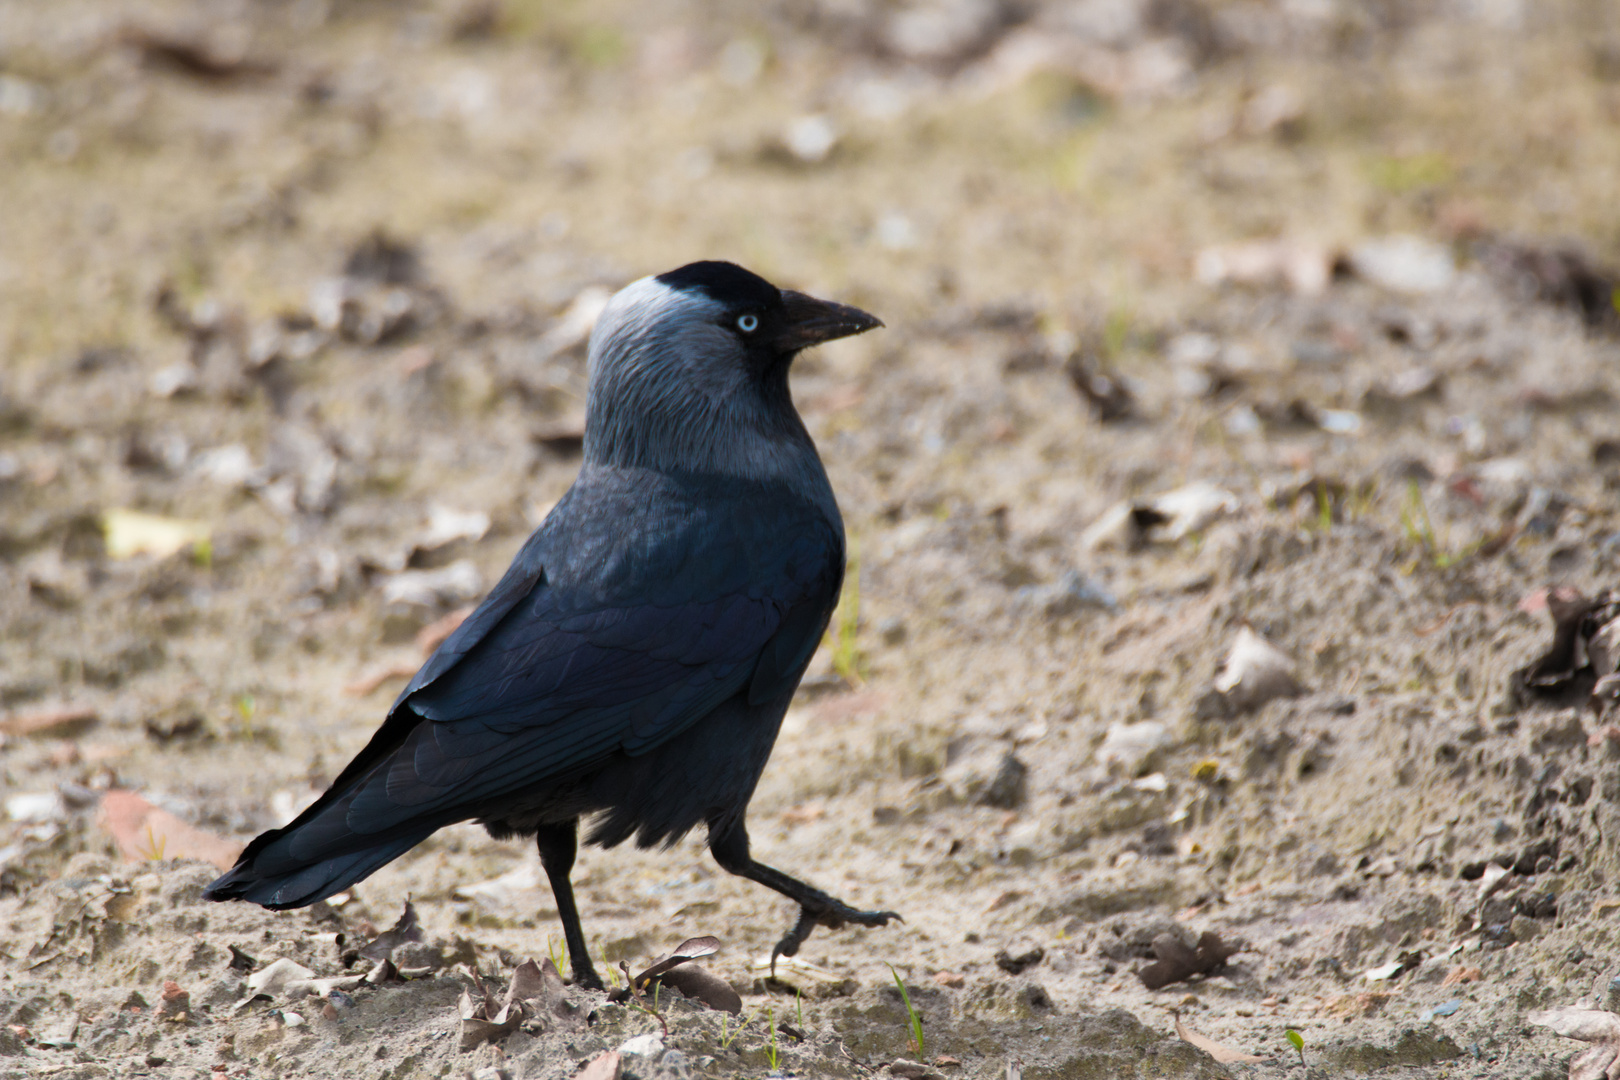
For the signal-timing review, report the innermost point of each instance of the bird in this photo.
(631, 669)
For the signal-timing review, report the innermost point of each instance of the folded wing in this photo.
(558, 669)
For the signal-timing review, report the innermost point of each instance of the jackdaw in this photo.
(633, 665)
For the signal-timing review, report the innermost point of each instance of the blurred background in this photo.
(294, 297)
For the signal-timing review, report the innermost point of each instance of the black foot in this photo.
(833, 918)
(586, 977)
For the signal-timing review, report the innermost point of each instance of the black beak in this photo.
(811, 321)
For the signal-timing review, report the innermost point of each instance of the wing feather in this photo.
(617, 627)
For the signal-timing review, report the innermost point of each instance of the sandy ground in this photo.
(313, 276)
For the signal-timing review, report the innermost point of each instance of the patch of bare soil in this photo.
(1249, 379)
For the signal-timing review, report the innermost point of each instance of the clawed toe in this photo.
(873, 918)
(833, 918)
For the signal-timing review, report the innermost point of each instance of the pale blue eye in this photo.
(748, 323)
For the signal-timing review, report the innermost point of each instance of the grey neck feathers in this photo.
(671, 391)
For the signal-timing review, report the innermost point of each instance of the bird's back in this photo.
(689, 606)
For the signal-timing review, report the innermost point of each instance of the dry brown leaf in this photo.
(690, 949)
(528, 981)
(428, 638)
(62, 722)
(175, 1001)
(701, 984)
(405, 929)
(1008, 897)
(476, 1032)
(1365, 1003)
(1565, 672)
(145, 833)
(371, 680)
(1460, 974)
(536, 990)
(1604, 734)
(804, 813)
(435, 633)
(1176, 961)
(695, 983)
(1219, 1051)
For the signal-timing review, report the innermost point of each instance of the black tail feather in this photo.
(304, 885)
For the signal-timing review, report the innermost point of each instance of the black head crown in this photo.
(725, 283)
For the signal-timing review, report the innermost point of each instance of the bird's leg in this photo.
(558, 845)
(729, 845)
